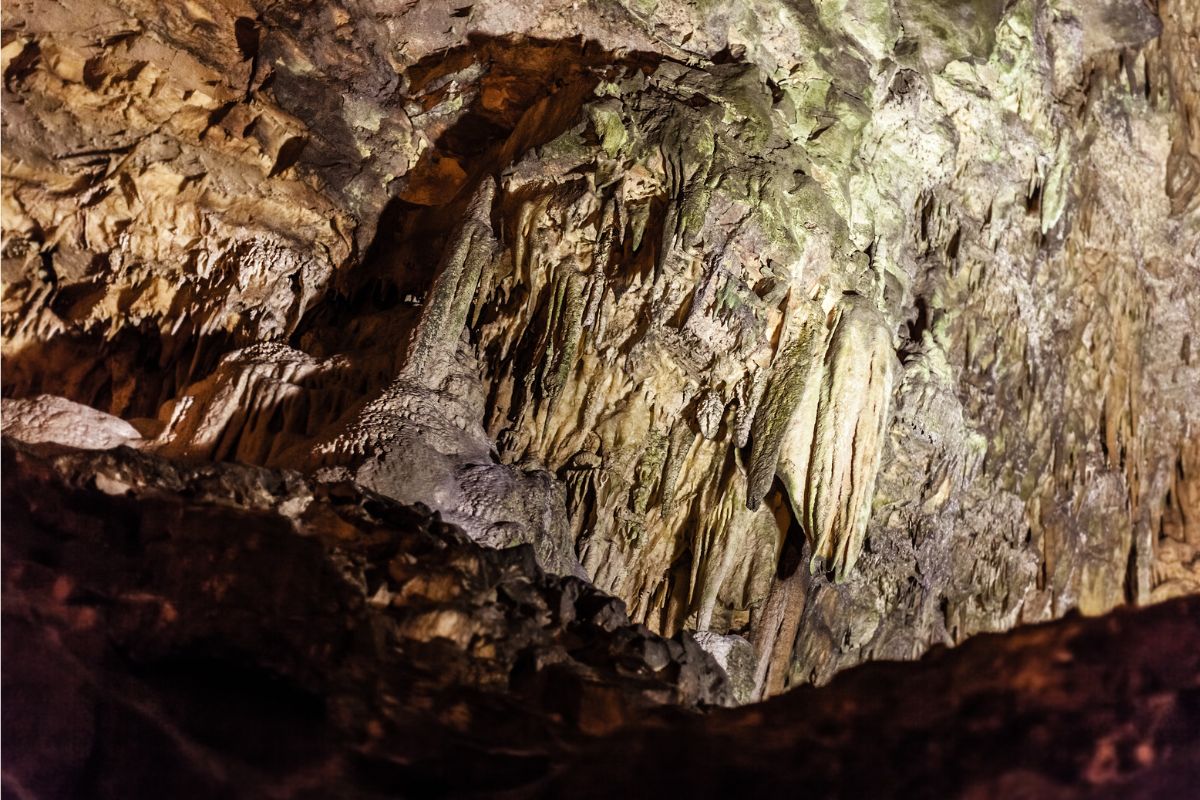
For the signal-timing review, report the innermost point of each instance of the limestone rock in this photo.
(736, 656)
(1107, 708)
(850, 328)
(321, 597)
(46, 418)
(234, 631)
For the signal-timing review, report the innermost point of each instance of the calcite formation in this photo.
(832, 329)
(820, 428)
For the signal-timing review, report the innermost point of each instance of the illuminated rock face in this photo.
(821, 426)
(848, 328)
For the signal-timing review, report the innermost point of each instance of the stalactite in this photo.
(445, 310)
(845, 333)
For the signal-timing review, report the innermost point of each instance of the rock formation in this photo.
(239, 624)
(233, 631)
(828, 331)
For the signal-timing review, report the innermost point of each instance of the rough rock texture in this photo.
(47, 418)
(847, 326)
(1080, 708)
(233, 631)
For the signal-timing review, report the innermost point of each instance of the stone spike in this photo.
(446, 307)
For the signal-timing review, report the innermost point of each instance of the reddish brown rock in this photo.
(235, 632)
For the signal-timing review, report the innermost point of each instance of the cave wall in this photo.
(848, 327)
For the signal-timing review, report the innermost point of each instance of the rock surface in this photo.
(238, 632)
(1080, 708)
(47, 418)
(850, 327)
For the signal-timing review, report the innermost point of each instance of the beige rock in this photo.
(46, 418)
